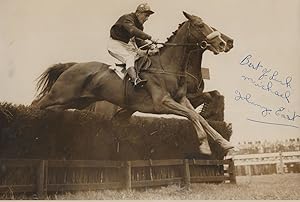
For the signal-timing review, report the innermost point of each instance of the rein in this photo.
(203, 45)
(200, 46)
(158, 71)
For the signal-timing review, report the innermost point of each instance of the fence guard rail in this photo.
(80, 175)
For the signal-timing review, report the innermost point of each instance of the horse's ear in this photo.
(188, 16)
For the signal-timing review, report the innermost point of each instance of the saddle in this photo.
(141, 64)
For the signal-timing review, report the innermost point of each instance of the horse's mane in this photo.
(169, 39)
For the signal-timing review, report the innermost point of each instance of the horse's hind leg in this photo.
(57, 107)
(122, 115)
(52, 103)
(49, 101)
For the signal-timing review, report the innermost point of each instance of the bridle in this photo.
(202, 45)
(199, 46)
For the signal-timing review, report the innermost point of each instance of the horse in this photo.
(195, 88)
(165, 92)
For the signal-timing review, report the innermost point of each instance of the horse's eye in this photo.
(201, 24)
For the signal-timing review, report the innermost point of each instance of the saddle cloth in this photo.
(120, 71)
(143, 63)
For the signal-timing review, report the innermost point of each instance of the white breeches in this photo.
(126, 53)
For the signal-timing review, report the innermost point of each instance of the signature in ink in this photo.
(269, 88)
(280, 112)
(246, 61)
(271, 123)
(285, 82)
(283, 113)
(247, 98)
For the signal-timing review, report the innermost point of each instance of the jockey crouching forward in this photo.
(126, 36)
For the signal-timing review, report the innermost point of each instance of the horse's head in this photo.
(228, 40)
(206, 36)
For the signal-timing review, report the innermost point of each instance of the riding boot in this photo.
(136, 80)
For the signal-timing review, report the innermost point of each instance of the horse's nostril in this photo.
(222, 44)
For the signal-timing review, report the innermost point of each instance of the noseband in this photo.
(203, 44)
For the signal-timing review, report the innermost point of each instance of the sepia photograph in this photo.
(149, 100)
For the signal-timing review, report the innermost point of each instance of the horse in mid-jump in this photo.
(81, 84)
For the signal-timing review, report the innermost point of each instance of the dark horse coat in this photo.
(166, 89)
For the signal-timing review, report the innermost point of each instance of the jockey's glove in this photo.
(153, 47)
(152, 52)
(141, 52)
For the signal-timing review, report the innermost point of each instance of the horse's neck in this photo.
(175, 58)
(195, 63)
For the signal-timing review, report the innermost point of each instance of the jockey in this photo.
(126, 36)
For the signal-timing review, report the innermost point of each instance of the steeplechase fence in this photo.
(45, 176)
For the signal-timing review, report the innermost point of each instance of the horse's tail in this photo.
(48, 78)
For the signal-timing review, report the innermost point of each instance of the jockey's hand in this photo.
(141, 52)
(153, 51)
(153, 46)
(149, 42)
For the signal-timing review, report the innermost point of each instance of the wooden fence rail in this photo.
(43, 176)
(267, 163)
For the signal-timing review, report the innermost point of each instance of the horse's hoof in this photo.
(204, 148)
(226, 146)
(229, 152)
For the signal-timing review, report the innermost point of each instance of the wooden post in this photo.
(40, 176)
(281, 164)
(231, 171)
(249, 172)
(127, 175)
(186, 174)
(46, 178)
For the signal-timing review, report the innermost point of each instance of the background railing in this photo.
(267, 163)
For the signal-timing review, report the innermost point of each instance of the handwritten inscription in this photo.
(280, 112)
(267, 73)
(247, 98)
(247, 62)
(270, 81)
(269, 88)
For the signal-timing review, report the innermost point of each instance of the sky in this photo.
(259, 77)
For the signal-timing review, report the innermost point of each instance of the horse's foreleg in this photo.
(208, 129)
(171, 106)
(198, 99)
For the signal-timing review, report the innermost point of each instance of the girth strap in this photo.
(158, 71)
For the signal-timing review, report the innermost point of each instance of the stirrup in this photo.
(139, 83)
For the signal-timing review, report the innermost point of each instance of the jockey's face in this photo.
(142, 17)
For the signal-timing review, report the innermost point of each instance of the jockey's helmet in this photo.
(144, 8)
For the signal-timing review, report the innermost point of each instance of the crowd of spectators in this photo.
(258, 147)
